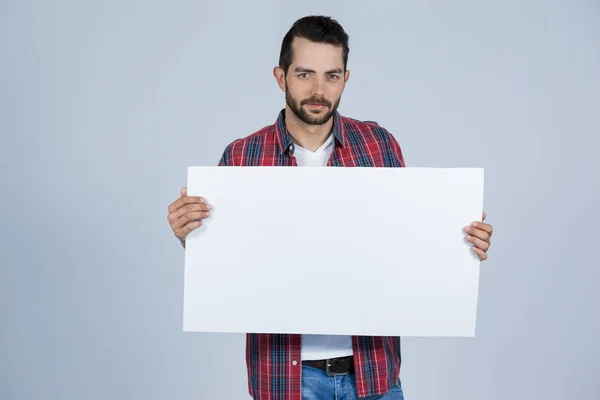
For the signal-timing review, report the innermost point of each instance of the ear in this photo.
(346, 76)
(280, 77)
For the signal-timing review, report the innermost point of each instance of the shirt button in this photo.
(294, 362)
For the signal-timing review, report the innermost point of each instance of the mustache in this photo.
(315, 100)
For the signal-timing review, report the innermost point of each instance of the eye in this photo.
(304, 75)
(334, 77)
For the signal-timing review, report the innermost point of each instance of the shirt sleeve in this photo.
(226, 158)
(397, 151)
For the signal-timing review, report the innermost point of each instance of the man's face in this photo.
(315, 81)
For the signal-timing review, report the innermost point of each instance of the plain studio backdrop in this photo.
(104, 105)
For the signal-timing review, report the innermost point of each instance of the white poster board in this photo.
(326, 250)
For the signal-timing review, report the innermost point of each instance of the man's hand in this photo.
(186, 214)
(479, 234)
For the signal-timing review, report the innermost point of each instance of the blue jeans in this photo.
(317, 385)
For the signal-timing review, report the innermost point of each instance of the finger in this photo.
(187, 208)
(185, 230)
(480, 253)
(478, 242)
(192, 215)
(483, 216)
(180, 202)
(483, 226)
(184, 191)
(480, 233)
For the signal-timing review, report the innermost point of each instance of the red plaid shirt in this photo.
(274, 360)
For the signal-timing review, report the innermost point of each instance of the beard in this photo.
(309, 117)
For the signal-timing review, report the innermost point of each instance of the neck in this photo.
(310, 137)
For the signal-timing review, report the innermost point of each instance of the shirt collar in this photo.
(284, 138)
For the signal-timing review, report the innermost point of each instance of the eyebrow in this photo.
(331, 71)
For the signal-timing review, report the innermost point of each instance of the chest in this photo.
(366, 155)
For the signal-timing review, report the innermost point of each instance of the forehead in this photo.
(316, 55)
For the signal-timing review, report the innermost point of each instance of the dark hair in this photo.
(316, 28)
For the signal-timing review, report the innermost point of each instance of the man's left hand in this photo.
(479, 234)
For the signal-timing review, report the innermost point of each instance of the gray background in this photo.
(103, 106)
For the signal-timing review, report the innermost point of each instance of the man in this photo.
(312, 72)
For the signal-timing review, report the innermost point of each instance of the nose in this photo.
(318, 85)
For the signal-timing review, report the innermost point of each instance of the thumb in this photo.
(184, 192)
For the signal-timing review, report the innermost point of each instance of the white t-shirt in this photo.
(319, 347)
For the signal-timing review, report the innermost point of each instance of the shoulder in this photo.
(264, 134)
(256, 140)
(371, 134)
(367, 129)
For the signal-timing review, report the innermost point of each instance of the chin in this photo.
(318, 121)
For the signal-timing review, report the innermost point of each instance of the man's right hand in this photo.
(186, 214)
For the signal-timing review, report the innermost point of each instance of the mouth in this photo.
(316, 106)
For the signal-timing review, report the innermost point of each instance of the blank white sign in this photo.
(329, 250)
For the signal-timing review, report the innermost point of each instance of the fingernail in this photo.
(467, 229)
(202, 201)
(474, 224)
(468, 236)
(209, 207)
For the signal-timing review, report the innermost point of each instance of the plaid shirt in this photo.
(274, 360)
